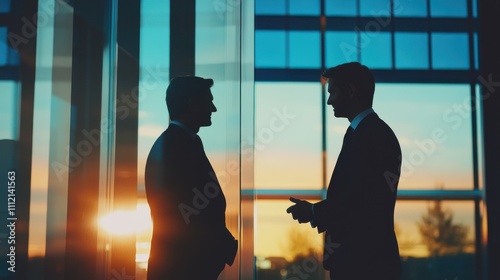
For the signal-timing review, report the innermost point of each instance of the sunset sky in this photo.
(432, 123)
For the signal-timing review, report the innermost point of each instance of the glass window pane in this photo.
(9, 110)
(304, 7)
(433, 125)
(270, 7)
(341, 47)
(424, 253)
(376, 49)
(450, 50)
(474, 8)
(340, 8)
(410, 8)
(3, 46)
(372, 8)
(270, 49)
(4, 6)
(412, 50)
(476, 50)
(280, 240)
(288, 136)
(305, 50)
(449, 8)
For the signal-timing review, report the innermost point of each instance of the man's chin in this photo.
(338, 114)
(207, 123)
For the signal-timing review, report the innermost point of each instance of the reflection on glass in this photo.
(283, 248)
(433, 125)
(435, 236)
(288, 135)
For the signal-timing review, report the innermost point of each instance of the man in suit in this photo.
(358, 212)
(190, 238)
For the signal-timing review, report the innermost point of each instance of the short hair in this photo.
(356, 74)
(183, 88)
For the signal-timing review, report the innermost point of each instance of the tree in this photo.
(440, 234)
(301, 243)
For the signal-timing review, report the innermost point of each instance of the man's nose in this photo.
(329, 101)
(214, 109)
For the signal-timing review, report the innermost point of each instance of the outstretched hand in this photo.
(301, 210)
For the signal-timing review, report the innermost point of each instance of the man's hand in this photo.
(301, 211)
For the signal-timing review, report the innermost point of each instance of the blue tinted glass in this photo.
(375, 8)
(13, 56)
(474, 8)
(340, 8)
(450, 50)
(411, 50)
(270, 49)
(270, 7)
(4, 6)
(305, 49)
(449, 8)
(304, 7)
(340, 47)
(3, 46)
(410, 8)
(376, 49)
(476, 57)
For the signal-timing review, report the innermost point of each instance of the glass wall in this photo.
(424, 58)
(101, 69)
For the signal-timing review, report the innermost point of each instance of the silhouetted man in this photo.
(190, 239)
(358, 212)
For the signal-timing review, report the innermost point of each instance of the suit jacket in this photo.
(190, 239)
(358, 213)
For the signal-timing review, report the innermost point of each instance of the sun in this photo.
(127, 222)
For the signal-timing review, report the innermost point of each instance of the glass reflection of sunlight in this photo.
(125, 222)
(130, 222)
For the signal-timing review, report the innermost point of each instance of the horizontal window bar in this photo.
(381, 76)
(9, 73)
(402, 194)
(371, 23)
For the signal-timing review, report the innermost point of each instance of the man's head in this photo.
(351, 87)
(190, 100)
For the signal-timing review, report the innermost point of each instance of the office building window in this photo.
(422, 54)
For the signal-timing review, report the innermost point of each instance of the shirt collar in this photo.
(185, 128)
(355, 122)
